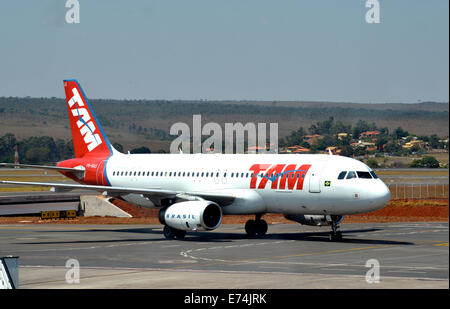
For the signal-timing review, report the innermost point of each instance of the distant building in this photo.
(369, 134)
(255, 149)
(294, 149)
(342, 135)
(334, 150)
(310, 139)
(419, 143)
(362, 144)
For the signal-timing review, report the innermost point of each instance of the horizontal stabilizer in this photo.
(75, 170)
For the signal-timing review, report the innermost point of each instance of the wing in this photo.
(222, 199)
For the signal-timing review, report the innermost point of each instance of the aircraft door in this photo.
(314, 179)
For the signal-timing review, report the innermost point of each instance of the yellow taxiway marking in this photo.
(443, 245)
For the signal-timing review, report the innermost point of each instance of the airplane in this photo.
(194, 191)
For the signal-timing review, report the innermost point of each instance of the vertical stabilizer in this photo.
(87, 133)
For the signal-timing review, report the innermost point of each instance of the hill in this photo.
(134, 123)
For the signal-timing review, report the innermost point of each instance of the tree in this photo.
(393, 147)
(295, 138)
(399, 133)
(427, 162)
(322, 127)
(380, 142)
(142, 149)
(372, 163)
(118, 147)
(7, 143)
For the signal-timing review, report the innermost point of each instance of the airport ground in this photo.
(409, 239)
(410, 255)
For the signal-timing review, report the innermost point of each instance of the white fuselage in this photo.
(256, 190)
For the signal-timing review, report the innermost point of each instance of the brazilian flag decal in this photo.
(327, 183)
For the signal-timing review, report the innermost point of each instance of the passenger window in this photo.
(364, 175)
(342, 175)
(351, 175)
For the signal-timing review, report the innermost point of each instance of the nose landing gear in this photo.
(335, 235)
(256, 227)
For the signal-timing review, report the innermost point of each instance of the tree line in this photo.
(44, 149)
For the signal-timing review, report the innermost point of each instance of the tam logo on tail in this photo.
(87, 127)
(87, 134)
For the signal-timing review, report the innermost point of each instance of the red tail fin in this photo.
(87, 134)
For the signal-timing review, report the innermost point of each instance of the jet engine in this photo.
(192, 216)
(316, 220)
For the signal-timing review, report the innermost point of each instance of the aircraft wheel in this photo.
(337, 236)
(180, 234)
(250, 228)
(169, 232)
(256, 228)
(261, 227)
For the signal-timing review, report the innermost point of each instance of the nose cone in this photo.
(378, 195)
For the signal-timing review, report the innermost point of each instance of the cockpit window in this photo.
(342, 175)
(364, 175)
(351, 175)
(373, 174)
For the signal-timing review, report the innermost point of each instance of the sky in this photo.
(307, 50)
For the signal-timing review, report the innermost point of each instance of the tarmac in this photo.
(290, 256)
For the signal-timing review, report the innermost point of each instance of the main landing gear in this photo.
(335, 235)
(256, 227)
(171, 233)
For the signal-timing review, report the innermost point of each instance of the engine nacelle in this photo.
(315, 220)
(192, 216)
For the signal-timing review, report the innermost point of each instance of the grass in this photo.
(417, 172)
